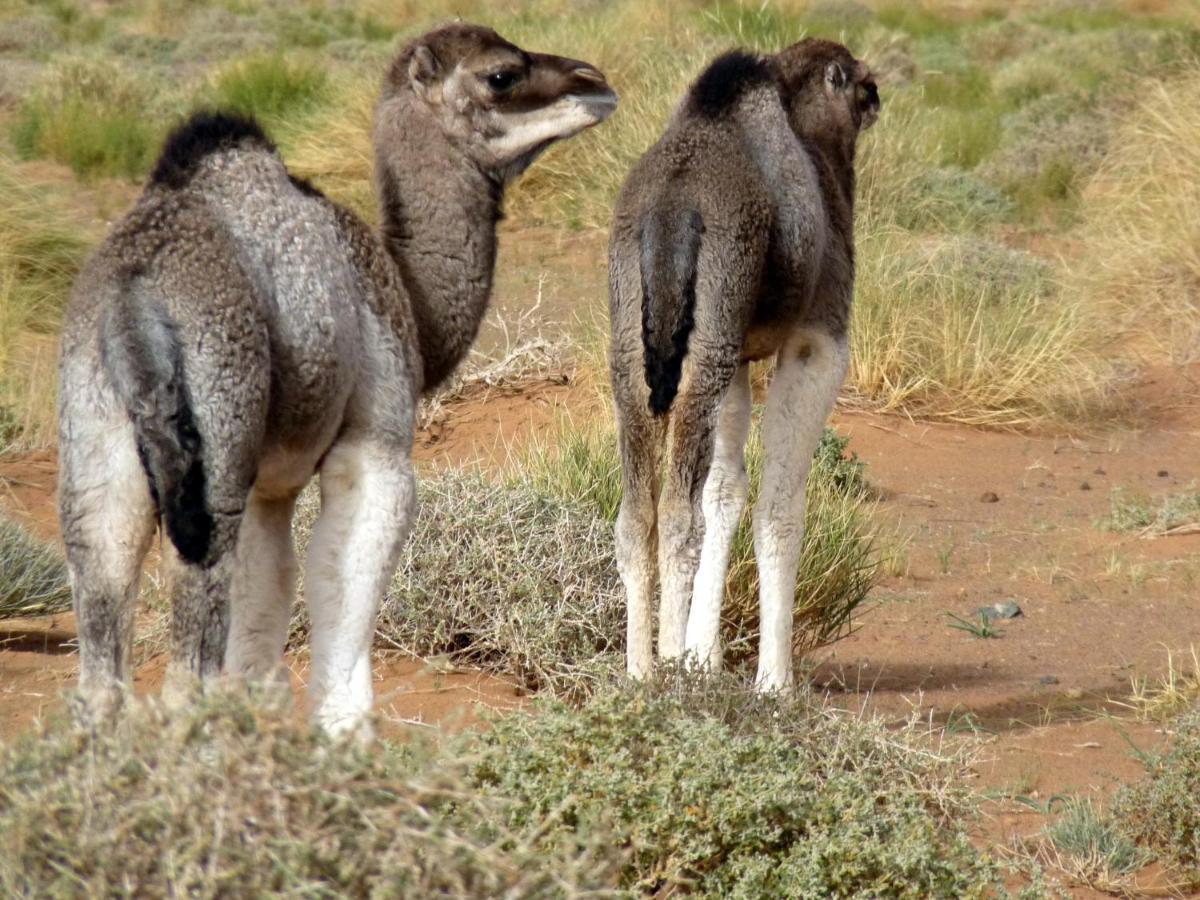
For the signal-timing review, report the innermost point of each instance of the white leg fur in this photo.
(635, 563)
(810, 368)
(725, 493)
(368, 499)
(263, 588)
(677, 561)
(107, 527)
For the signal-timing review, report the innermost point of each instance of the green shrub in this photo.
(1162, 811)
(226, 802)
(33, 576)
(504, 577)
(92, 116)
(723, 793)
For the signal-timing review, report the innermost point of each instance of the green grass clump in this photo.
(718, 792)
(1137, 513)
(270, 87)
(227, 802)
(1162, 811)
(33, 576)
(93, 116)
(1091, 845)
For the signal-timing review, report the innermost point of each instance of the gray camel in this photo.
(732, 241)
(237, 332)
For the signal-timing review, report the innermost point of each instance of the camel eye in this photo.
(503, 81)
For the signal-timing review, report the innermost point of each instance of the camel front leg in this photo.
(809, 371)
(368, 500)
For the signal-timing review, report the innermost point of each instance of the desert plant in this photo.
(966, 330)
(1142, 258)
(93, 116)
(720, 792)
(227, 801)
(33, 576)
(1162, 811)
(1151, 516)
(1090, 845)
(270, 87)
(505, 577)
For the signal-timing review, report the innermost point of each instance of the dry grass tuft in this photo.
(1141, 231)
(33, 576)
(966, 330)
(41, 249)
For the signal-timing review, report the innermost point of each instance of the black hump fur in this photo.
(726, 78)
(203, 133)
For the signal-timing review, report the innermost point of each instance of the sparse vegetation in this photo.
(1167, 514)
(683, 784)
(519, 576)
(1162, 811)
(33, 577)
(731, 794)
(979, 627)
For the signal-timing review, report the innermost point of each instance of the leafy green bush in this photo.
(33, 577)
(723, 793)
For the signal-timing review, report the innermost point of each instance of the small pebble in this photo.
(1163, 473)
(1084, 486)
(1099, 471)
(989, 497)
(1047, 679)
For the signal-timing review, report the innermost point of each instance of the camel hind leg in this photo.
(809, 370)
(641, 444)
(262, 591)
(725, 492)
(368, 501)
(108, 520)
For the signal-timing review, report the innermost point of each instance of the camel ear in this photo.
(835, 76)
(423, 68)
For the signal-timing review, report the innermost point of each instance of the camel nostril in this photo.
(587, 73)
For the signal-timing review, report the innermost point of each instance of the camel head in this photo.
(829, 93)
(503, 105)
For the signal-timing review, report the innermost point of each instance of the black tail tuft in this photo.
(142, 356)
(199, 135)
(670, 248)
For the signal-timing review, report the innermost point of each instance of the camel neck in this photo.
(439, 214)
